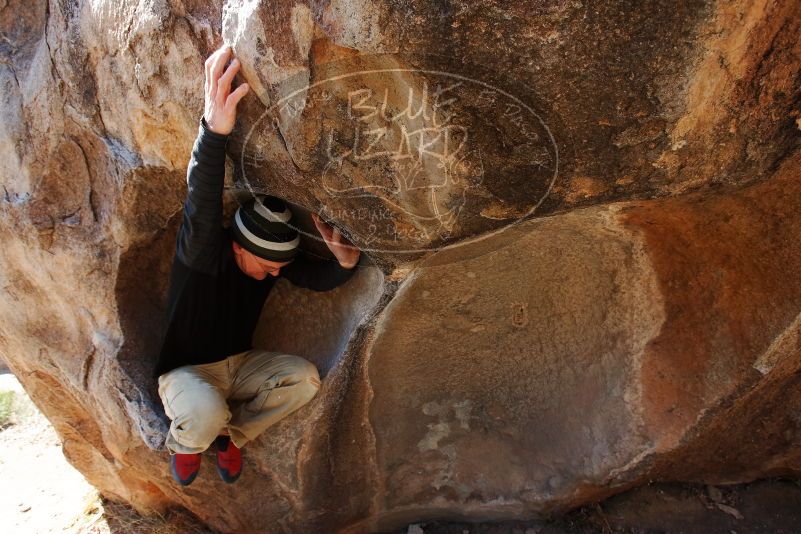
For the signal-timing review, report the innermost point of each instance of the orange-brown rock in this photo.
(580, 224)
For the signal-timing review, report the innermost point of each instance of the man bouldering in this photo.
(215, 387)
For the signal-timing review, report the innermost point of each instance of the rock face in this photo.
(580, 224)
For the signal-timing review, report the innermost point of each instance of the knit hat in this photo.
(260, 226)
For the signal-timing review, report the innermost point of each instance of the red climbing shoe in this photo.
(229, 459)
(184, 467)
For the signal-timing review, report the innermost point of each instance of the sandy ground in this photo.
(43, 493)
(762, 507)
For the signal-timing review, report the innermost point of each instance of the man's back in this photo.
(210, 316)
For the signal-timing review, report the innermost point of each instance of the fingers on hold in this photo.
(213, 67)
(212, 59)
(237, 95)
(324, 230)
(218, 64)
(233, 66)
(227, 77)
(223, 50)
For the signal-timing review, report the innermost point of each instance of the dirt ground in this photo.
(42, 493)
(762, 507)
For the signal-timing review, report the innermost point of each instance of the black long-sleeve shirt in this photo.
(212, 306)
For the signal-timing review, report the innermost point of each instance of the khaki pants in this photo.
(262, 387)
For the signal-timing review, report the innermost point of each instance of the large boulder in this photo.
(580, 226)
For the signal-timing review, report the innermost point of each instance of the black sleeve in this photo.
(320, 275)
(200, 236)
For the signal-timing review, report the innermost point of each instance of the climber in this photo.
(215, 387)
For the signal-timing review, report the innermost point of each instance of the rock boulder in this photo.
(580, 224)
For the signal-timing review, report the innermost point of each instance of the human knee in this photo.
(205, 414)
(304, 377)
(310, 377)
(306, 371)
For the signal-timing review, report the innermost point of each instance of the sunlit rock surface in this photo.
(580, 225)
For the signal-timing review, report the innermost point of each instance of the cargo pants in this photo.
(244, 394)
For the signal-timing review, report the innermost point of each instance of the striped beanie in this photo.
(260, 226)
